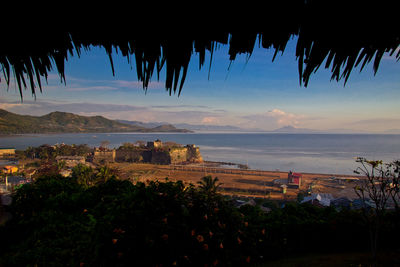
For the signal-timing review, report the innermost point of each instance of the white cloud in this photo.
(210, 120)
(284, 118)
(273, 119)
(26, 108)
(39, 107)
(9, 105)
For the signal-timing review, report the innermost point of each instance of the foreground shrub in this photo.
(57, 221)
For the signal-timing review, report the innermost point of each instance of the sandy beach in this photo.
(239, 182)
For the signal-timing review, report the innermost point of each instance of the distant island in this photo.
(63, 122)
(291, 129)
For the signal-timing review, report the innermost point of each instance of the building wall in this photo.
(178, 155)
(160, 157)
(129, 156)
(151, 154)
(193, 154)
(154, 144)
(7, 151)
(108, 156)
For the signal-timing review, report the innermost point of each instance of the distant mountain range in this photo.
(194, 127)
(63, 122)
(230, 128)
(291, 129)
(144, 124)
(221, 128)
(393, 131)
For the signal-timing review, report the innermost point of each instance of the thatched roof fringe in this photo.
(340, 48)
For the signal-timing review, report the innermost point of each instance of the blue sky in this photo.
(251, 94)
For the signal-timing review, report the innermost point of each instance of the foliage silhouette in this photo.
(380, 185)
(209, 185)
(58, 221)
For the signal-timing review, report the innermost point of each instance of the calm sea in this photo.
(322, 153)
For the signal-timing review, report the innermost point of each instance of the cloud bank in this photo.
(274, 118)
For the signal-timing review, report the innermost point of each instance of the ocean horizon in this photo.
(308, 152)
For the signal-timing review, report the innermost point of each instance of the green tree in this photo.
(64, 150)
(104, 173)
(127, 146)
(300, 196)
(82, 150)
(61, 164)
(30, 152)
(20, 154)
(44, 154)
(83, 174)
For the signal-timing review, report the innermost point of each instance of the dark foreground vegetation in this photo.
(60, 222)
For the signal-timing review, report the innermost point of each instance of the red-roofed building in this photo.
(294, 178)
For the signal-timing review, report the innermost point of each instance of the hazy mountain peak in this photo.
(292, 129)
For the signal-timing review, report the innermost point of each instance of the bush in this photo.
(57, 221)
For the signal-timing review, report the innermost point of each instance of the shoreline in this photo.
(262, 154)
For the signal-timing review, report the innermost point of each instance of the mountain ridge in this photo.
(195, 127)
(65, 122)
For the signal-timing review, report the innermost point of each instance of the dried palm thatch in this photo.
(331, 32)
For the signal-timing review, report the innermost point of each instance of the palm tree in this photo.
(209, 185)
(104, 174)
(83, 174)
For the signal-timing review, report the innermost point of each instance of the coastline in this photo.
(270, 152)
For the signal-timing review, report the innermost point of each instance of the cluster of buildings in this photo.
(7, 152)
(9, 170)
(327, 200)
(293, 181)
(154, 152)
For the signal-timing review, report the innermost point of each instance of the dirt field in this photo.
(239, 182)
